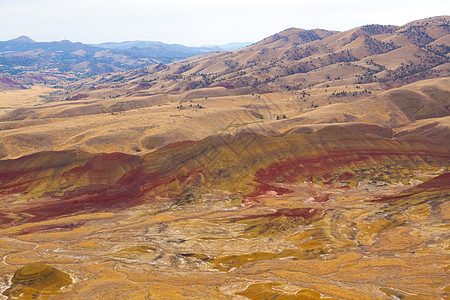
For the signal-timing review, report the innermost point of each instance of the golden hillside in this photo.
(292, 60)
(138, 125)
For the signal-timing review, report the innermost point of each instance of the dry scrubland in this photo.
(311, 165)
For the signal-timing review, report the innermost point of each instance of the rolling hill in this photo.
(296, 59)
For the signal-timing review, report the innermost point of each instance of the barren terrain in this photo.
(234, 175)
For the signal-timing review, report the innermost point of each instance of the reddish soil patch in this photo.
(4, 219)
(53, 228)
(305, 213)
(89, 200)
(292, 170)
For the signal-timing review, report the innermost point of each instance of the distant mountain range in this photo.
(158, 46)
(25, 61)
(153, 45)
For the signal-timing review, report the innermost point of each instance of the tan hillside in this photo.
(137, 125)
(292, 60)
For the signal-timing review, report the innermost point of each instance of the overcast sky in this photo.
(198, 22)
